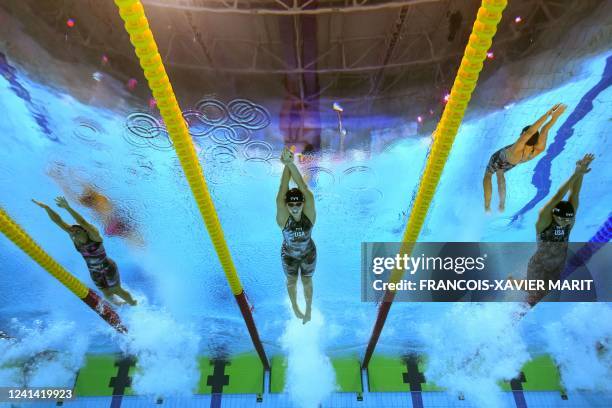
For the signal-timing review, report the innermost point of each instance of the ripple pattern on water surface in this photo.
(358, 178)
(86, 131)
(257, 149)
(209, 120)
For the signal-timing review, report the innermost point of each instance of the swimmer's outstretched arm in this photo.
(92, 231)
(281, 210)
(541, 145)
(545, 216)
(53, 215)
(309, 205)
(582, 168)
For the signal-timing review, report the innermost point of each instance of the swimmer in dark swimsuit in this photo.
(553, 227)
(531, 143)
(88, 242)
(296, 215)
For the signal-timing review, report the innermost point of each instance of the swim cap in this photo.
(563, 209)
(77, 227)
(533, 139)
(294, 196)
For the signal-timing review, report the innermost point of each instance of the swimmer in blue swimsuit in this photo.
(296, 215)
(530, 144)
(88, 243)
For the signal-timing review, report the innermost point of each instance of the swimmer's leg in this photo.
(307, 283)
(109, 295)
(487, 185)
(123, 294)
(292, 291)
(501, 187)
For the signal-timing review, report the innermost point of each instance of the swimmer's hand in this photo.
(286, 156)
(40, 204)
(554, 109)
(559, 110)
(62, 203)
(582, 165)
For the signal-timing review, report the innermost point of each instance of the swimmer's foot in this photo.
(128, 299)
(487, 209)
(306, 318)
(298, 312)
(502, 208)
(115, 301)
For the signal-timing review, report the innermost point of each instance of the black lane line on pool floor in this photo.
(121, 381)
(414, 378)
(516, 385)
(217, 381)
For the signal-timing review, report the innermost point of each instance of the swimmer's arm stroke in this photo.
(541, 145)
(55, 217)
(582, 167)
(92, 231)
(282, 214)
(573, 184)
(309, 205)
(545, 216)
(574, 197)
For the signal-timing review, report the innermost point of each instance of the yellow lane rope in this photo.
(15, 233)
(485, 27)
(137, 25)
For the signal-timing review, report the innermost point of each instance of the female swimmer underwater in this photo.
(88, 243)
(530, 144)
(296, 216)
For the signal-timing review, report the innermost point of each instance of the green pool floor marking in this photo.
(102, 373)
(246, 375)
(395, 374)
(278, 370)
(348, 374)
(206, 370)
(539, 374)
(218, 380)
(243, 374)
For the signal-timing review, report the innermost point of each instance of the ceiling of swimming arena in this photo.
(378, 57)
(355, 87)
